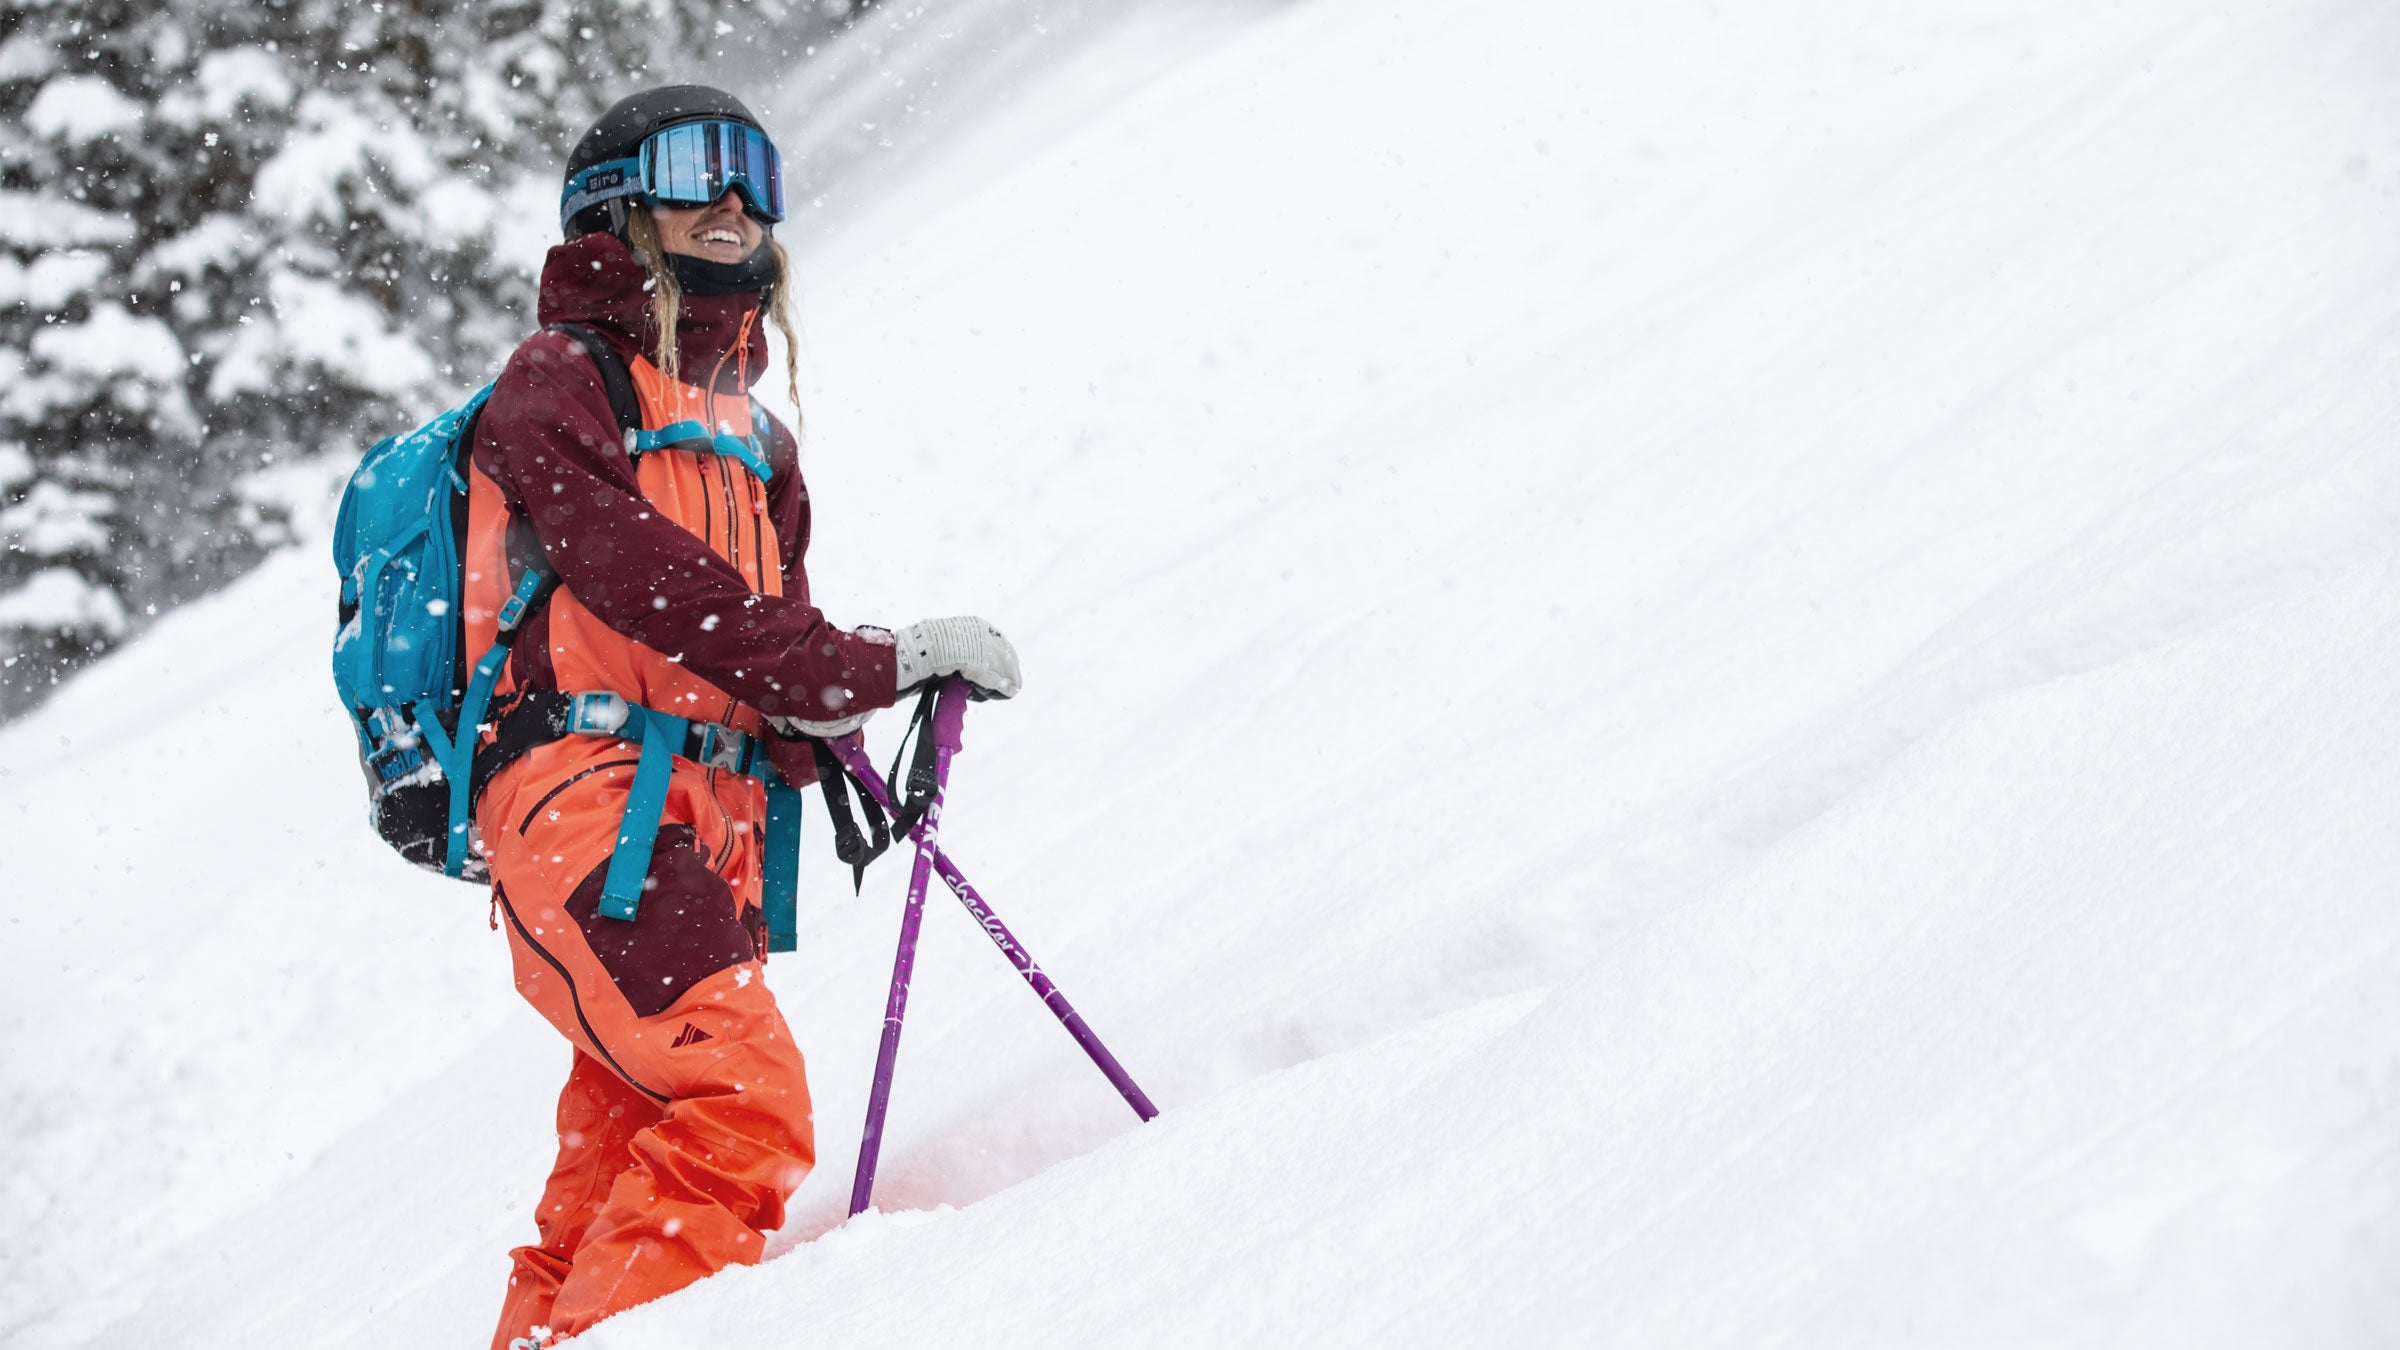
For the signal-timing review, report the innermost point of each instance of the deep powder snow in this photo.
(1695, 676)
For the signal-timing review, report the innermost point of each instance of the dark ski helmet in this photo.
(619, 135)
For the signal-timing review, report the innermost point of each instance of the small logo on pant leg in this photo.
(690, 1035)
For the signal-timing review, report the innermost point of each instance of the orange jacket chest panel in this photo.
(714, 497)
(718, 499)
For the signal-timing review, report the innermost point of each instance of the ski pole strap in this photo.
(922, 785)
(779, 888)
(836, 779)
(848, 844)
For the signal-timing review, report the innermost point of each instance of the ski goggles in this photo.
(688, 164)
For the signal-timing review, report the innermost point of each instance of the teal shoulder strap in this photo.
(455, 751)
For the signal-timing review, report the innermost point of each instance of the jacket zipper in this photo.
(733, 522)
(724, 821)
(758, 533)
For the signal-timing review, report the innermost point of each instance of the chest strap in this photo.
(691, 435)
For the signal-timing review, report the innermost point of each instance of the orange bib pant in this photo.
(685, 1122)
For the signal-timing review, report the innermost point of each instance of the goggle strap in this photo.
(604, 182)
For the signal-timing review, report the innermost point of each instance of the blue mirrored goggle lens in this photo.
(693, 164)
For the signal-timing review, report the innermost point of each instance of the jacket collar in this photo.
(596, 280)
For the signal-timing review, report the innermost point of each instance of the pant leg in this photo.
(598, 1117)
(708, 1181)
(673, 1005)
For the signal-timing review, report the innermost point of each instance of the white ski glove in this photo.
(966, 647)
(796, 729)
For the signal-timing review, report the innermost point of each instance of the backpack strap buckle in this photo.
(718, 747)
(599, 713)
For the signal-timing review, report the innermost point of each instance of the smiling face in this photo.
(721, 231)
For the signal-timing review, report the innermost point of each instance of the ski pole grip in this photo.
(950, 714)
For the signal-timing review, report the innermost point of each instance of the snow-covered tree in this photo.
(240, 239)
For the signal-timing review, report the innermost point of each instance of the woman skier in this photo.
(680, 596)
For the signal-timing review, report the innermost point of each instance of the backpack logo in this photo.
(690, 1035)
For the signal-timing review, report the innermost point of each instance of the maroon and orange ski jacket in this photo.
(681, 584)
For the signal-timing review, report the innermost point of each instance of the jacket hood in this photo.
(596, 280)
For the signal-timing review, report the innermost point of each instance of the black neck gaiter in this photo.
(700, 276)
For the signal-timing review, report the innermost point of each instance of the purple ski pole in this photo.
(853, 756)
(949, 717)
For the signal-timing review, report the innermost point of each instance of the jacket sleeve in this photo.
(548, 439)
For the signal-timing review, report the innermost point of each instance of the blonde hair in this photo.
(666, 303)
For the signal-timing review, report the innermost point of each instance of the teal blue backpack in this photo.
(399, 656)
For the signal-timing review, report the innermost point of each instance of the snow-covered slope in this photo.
(1696, 675)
